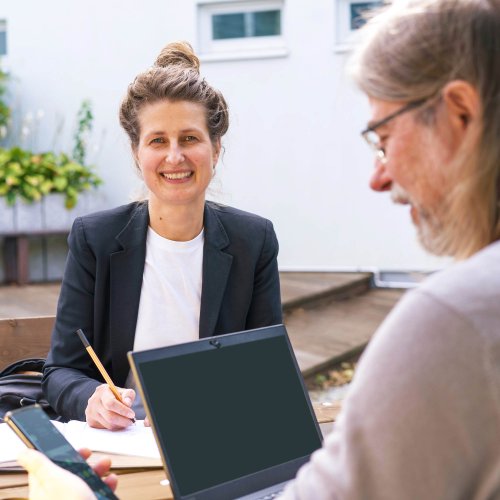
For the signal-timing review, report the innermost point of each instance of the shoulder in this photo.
(114, 217)
(470, 288)
(238, 223)
(230, 215)
(99, 228)
(241, 231)
(450, 321)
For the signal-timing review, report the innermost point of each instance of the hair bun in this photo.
(178, 54)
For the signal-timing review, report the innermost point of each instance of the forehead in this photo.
(172, 115)
(380, 109)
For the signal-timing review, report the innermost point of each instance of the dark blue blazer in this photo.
(102, 284)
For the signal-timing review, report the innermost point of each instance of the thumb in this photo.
(128, 396)
(33, 461)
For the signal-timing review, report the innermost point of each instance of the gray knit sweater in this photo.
(422, 418)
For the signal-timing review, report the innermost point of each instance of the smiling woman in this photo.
(170, 269)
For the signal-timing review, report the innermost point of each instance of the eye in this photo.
(157, 140)
(190, 138)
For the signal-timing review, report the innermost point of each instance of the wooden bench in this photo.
(24, 338)
(16, 253)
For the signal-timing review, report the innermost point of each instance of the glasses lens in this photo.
(372, 139)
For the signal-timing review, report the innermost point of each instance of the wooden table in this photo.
(140, 483)
(133, 484)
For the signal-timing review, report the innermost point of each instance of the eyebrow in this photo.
(183, 131)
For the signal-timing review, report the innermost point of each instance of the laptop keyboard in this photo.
(270, 496)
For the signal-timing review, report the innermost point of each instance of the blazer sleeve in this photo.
(69, 377)
(265, 308)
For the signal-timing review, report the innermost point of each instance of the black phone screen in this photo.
(35, 425)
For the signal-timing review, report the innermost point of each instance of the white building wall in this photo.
(293, 153)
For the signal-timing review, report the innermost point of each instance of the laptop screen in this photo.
(227, 407)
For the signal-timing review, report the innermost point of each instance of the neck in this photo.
(178, 222)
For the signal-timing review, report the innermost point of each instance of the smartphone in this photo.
(36, 430)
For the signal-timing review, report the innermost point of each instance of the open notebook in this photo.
(129, 448)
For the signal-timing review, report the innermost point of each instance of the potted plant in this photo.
(54, 180)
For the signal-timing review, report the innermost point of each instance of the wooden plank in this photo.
(24, 338)
(323, 332)
(132, 485)
(327, 412)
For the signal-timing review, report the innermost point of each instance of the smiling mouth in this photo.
(173, 176)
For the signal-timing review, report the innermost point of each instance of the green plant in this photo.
(30, 176)
(4, 108)
(84, 126)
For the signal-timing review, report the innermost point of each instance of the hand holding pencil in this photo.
(110, 406)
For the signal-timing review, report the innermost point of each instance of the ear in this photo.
(217, 148)
(463, 104)
(136, 159)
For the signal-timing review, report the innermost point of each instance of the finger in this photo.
(110, 403)
(113, 421)
(111, 481)
(128, 396)
(85, 453)
(147, 422)
(102, 467)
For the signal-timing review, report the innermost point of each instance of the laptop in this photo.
(231, 415)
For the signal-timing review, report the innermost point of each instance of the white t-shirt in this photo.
(169, 308)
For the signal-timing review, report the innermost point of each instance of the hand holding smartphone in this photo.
(35, 429)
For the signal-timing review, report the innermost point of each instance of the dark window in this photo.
(358, 9)
(267, 23)
(3, 37)
(246, 24)
(228, 26)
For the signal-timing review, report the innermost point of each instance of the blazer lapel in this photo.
(216, 268)
(126, 270)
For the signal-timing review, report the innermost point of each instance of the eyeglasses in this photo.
(372, 138)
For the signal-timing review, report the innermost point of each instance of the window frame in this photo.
(344, 34)
(253, 47)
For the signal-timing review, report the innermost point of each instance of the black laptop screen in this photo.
(227, 412)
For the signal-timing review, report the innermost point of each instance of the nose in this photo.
(174, 155)
(380, 179)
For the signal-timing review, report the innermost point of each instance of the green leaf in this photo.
(60, 183)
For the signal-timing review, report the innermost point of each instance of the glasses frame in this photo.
(375, 146)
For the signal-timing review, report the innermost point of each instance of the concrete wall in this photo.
(293, 153)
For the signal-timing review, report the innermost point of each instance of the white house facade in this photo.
(293, 153)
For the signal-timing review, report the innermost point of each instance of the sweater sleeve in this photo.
(70, 377)
(421, 419)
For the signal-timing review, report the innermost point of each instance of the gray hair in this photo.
(410, 51)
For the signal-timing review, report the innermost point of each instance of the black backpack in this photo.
(18, 389)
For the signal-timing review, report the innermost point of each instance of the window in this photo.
(350, 18)
(3, 37)
(241, 29)
(357, 10)
(247, 24)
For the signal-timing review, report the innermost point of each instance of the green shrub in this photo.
(29, 176)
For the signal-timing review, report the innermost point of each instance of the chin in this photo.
(431, 235)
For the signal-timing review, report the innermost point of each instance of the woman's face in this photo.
(175, 153)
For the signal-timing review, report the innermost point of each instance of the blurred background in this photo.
(293, 153)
